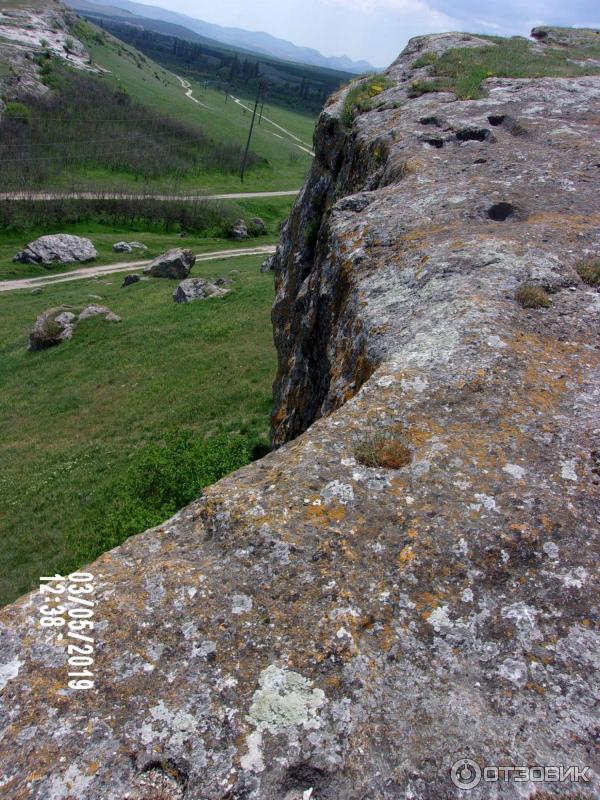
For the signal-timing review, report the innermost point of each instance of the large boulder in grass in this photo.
(197, 289)
(53, 326)
(60, 248)
(173, 264)
(128, 247)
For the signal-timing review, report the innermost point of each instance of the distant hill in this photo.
(253, 41)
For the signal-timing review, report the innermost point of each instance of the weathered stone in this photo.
(128, 247)
(51, 328)
(239, 230)
(268, 264)
(98, 311)
(60, 248)
(316, 628)
(197, 289)
(223, 281)
(128, 280)
(176, 263)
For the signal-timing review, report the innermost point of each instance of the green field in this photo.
(80, 423)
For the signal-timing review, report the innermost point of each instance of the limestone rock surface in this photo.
(320, 626)
(60, 248)
(197, 289)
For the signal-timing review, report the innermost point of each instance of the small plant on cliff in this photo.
(426, 60)
(589, 272)
(533, 297)
(384, 449)
(420, 87)
(360, 96)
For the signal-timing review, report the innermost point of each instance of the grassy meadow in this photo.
(113, 431)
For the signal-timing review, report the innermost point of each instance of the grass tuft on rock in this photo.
(384, 449)
(467, 67)
(359, 98)
(529, 296)
(589, 272)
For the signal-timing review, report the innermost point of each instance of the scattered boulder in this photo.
(174, 264)
(268, 264)
(239, 230)
(128, 247)
(198, 289)
(53, 326)
(223, 282)
(257, 227)
(37, 290)
(98, 311)
(60, 248)
(130, 279)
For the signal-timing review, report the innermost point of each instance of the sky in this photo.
(377, 30)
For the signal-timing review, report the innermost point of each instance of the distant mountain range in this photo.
(198, 30)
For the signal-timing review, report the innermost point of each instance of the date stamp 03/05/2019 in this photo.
(68, 609)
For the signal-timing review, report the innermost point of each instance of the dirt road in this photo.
(128, 266)
(123, 196)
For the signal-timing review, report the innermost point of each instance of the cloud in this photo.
(416, 9)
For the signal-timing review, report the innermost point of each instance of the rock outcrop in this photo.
(174, 264)
(25, 34)
(98, 311)
(59, 248)
(408, 582)
(128, 247)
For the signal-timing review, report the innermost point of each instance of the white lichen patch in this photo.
(9, 671)
(253, 760)
(342, 492)
(514, 671)
(567, 470)
(515, 470)
(440, 619)
(285, 699)
(241, 604)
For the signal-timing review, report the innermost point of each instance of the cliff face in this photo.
(320, 620)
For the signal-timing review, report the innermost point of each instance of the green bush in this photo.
(161, 479)
(18, 112)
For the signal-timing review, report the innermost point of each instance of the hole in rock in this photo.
(431, 121)
(500, 212)
(473, 135)
(434, 141)
(480, 161)
(496, 119)
(302, 778)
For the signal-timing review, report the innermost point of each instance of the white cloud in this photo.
(437, 20)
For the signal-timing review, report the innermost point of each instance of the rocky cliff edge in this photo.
(411, 580)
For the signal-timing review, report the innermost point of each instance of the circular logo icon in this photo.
(465, 773)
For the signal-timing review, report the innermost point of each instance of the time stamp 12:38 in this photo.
(68, 609)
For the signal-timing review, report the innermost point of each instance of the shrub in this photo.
(18, 112)
(384, 449)
(162, 478)
(533, 297)
(589, 272)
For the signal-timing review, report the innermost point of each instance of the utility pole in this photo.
(262, 108)
(258, 94)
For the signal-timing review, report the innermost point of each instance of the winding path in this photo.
(189, 92)
(124, 266)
